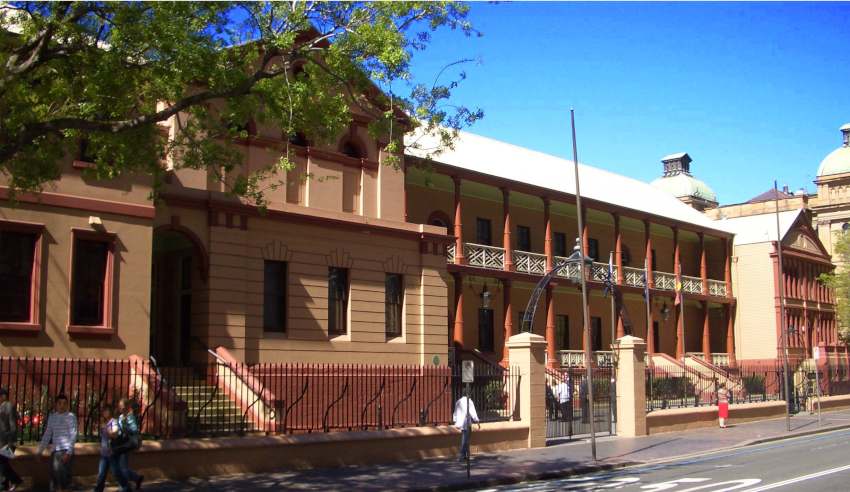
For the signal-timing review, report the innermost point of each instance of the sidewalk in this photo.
(514, 466)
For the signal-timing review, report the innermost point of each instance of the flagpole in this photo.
(646, 300)
(588, 350)
(680, 295)
(782, 322)
(612, 398)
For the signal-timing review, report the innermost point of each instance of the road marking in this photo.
(729, 485)
(800, 479)
(672, 484)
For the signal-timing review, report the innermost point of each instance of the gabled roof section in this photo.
(754, 229)
(504, 160)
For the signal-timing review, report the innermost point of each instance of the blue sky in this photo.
(753, 92)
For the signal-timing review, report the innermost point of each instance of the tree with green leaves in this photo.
(108, 73)
(839, 281)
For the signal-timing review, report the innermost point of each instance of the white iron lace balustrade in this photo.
(570, 270)
(450, 253)
(634, 277)
(664, 281)
(489, 257)
(717, 288)
(691, 285)
(571, 358)
(599, 272)
(526, 262)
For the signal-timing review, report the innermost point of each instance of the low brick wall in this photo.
(184, 458)
(679, 419)
(829, 403)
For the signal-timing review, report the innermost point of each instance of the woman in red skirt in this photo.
(722, 405)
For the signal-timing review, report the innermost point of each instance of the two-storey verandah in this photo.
(508, 233)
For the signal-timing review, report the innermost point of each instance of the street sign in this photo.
(467, 371)
(816, 353)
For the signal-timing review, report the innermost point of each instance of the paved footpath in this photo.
(556, 460)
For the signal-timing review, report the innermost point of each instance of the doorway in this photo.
(175, 278)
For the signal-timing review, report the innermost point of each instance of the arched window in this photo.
(352, 149)
(845, 227)
(440, 219)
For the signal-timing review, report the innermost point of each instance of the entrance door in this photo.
(174, 277)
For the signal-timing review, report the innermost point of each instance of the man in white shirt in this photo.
(464, 416)
(564, 394)
(62, 432)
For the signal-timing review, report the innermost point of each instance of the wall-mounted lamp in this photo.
(485, 298)
(665, 312)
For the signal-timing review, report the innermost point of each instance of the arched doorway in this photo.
(178, 273)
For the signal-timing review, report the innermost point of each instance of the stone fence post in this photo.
(527, 352)
(631, 387)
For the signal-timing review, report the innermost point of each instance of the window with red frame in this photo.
(89, 281)
(17, 257)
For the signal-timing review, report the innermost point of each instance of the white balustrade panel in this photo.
(664, 281)
(450, 253)
(691, 285)
(526, 262)
(483, 256)
(634, 277)
(717, 288)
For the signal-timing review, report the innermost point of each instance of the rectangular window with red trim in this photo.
(20, 262)
(92, 265)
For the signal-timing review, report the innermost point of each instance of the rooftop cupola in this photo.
(838, 161)
(677, 164)
(678, 181)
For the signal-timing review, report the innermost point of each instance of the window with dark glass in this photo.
(351, 149)
(89, 283)
(337, 301)
(17, 253)
(562, 331)
(593, 248)
(393, 304)
(625, 255)
(523, 238)
(85, 153)
(483, 231)
(485, 330)
(559, 244)
(596, 333)
(274, 296)
(654, 260)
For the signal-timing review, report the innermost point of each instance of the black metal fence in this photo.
(568, 407)
(219, 398)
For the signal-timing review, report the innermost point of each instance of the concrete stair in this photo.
(209, 411)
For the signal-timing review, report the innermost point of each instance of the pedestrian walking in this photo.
(464, 416)
(109, 431)
(129, 440)
(722, 405)
(564, 394)
(61, 431)
(9, 480)
(551, 403)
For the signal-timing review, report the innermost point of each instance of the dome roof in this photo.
(684, 185)
(838, 161)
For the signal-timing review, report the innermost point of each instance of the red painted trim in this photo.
(34, 322)
(82, 203)
(109, 282)
(215, 206)
(83, 165)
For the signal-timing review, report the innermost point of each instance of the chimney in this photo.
(677, 164)
(845, 133)
(785, 189)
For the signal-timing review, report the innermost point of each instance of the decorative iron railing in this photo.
(717, 288)
(575, 358)
(599, 272)
(450, 253)
(691, 285)
(217, 399)
(634, 277)
(526, 262)
(570, 271)
(483, 256)
(664, 281)
(717, 358)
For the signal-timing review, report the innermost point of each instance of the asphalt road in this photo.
(817, 463)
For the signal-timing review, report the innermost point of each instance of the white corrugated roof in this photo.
(760, 228)
(485, 155)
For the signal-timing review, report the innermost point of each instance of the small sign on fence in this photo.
(467, 371)
(816, 353)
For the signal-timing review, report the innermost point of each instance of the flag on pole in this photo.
(678, 287)
(645, 281)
